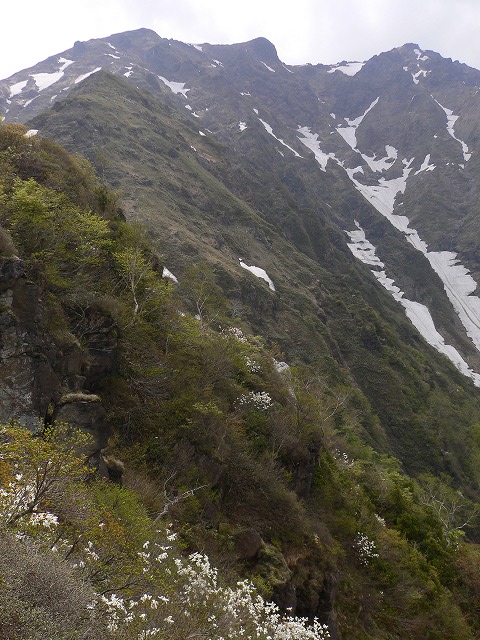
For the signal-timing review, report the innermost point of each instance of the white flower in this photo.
(259, 400)
(252, 366)
(366, 548)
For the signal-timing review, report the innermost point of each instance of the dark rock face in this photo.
(264, 49)
(42, 380)
(85, 412)
(304, 473)
(28, 380)
(247, 544)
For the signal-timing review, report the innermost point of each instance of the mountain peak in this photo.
(264, 49)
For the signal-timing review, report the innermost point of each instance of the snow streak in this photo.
(259, 273)
(269, 129)
(176, 87)
(349, 133)
(311, 141)
(457, 281)
(451, 119)
(417, 313)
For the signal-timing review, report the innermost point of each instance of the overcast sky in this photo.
(303, 31)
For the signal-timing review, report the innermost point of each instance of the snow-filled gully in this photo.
(457, 281)
(418, 314)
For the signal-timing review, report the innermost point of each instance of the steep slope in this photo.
(288, 471)
(259, 463)
(324, 308)
(383, 122)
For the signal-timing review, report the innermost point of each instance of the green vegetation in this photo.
(223, 442)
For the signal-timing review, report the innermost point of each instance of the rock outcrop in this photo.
(43, 378)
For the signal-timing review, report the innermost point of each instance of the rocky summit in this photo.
(327, 216)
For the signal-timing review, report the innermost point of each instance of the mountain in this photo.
(395, 128)
(330, 210)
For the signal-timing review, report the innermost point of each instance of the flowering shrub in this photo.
(255, 399)
(366, 548)
(236, 333)
(139, 588)
(37, 470)
(252, 366)
(198, 606)
(343, 460)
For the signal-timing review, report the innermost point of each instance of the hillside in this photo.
(240, 350)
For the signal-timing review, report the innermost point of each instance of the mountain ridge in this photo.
(261, 79)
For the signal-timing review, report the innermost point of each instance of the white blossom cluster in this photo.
(343, 459)
(366, 548)
(178, 597)
(15, 498)
(252, 366)
(380, 520)
(237, 333)
(257, 399)
(44, 519)
(198, 599)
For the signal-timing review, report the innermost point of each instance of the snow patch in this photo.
(451, 120)
(196, 46)
(415, 76)
(417, 313)
(218, 63)
(65, 63)
(269, 68)
(245, 93)
(168, 274)
(259, 273)
(242, 126)
(383, 194)
(202, 134)
(17, 88)
(30, 133)
(349, 133)
(311, 141)
(113, 56)
(269, 129)
(349, 68)
(426, 166)
(419, 55)
(176, 87)
(382, 164)
(45, 80)
(86, 75)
